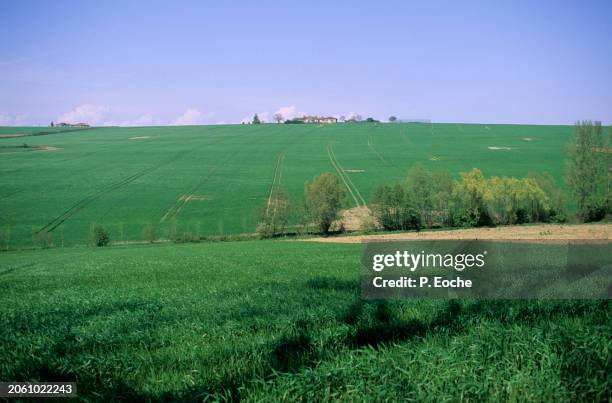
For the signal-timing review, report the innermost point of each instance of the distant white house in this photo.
(318, 119)
(64, 124)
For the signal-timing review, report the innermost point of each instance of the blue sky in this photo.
(191, 62)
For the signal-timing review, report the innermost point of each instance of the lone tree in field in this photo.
(256, 120)
(324, 197)
(587, 170)
(100, 236)
(392, 119)
(278, 117)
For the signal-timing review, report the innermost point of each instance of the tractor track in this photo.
(376, 152)
(178, 205)
(81, 204)
(354, 192)
(176, 208)
(275, 187)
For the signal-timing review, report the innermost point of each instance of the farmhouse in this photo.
(318, 119)
(64, 124)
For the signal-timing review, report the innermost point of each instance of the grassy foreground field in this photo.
(278, 320)
(211, 180)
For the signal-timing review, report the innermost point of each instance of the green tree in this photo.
(587, 170)
(608, 158)
(256, 120)
(392, 119)
(505, 199)
(533, 204)
(556, 199)
(442, 198)
(474, 199)
(421, 187)
(394, 208)
(100, 236)
(324, 198)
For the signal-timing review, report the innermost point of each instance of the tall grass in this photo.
(274, 320)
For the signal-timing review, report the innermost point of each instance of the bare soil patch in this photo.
(354, 170)
(434, 158)
(605, 150)
(527, 139)
(140, 137)
(8, 136)
(27, 148)
(48, 148)
(353, 219)
(499, 148)
(189, 198)
(540, 232)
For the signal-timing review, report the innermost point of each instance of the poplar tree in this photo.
(588, 170)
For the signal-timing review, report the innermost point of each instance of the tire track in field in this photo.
(275, 187)
(178, 205)
(388, 162)
(354, 192)
(11, 194)
(376, 152)
(176, 208)
(81, 204)
(215, 140)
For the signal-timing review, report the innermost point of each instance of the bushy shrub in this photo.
(474, 196)
(435, 200)
(101, 237)
(395, 209)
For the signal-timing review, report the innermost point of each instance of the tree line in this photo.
(434, 199)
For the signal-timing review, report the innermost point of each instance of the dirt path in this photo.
(540, 232)
(354, 192)
(275, 187)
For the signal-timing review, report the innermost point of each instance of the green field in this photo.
(211, 180)
(280, 320)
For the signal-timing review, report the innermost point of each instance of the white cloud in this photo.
(94, 115)
(289, 112)
(144, 120)
(190, 117)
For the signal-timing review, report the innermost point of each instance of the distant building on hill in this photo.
(318, 119)
(64, 124)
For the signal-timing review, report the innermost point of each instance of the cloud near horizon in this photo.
(100, 115)
(289, 112)
(190, 117)
(94, 115)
